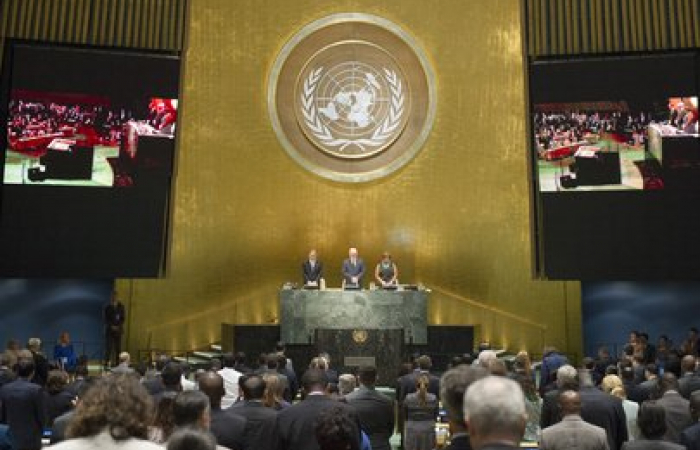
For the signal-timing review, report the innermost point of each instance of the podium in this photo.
(303, 312)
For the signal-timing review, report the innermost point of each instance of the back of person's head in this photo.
(189, 409)
(25, 368)
(346, 383)
(651, 370)
(212, 385)
(453, 385)
(191, 439)
(240, 358)
(271, 361)
(34, 344)
(569, 402)
(335, 430)
(485, 358)
(609, 383)
(274, 390)
(253, 387)
(567, 377)
(424, 362)
(118, 403)
(124, 358)
(611, 370)
(161, 362)
(588, 363)
(318, 363)
(163, 416)
(172, 375)
(651, 420)
(494, 410)
(668, 382)
(367, 375)
(314, 380)
(627, 373)
(498, 367)
(56, 381)
(279, 347)
(228, 360)
(688, 364)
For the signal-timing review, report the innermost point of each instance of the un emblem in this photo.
(351, 97)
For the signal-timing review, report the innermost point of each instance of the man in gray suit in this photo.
(375, 410)
(353, 270)
(572, 431)
(677, 408)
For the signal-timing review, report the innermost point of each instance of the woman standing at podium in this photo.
(386, 272)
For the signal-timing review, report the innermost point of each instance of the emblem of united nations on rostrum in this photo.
(351, 97)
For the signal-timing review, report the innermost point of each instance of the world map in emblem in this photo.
(352, 109)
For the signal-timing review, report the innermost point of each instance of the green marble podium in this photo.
(304, 311)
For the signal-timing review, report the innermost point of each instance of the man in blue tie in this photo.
(353, 270)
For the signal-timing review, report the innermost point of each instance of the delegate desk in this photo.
(304, 311)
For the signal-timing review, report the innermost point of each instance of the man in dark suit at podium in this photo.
(312, 270)
(353, 270)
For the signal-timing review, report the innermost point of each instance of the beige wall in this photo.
(456, 218)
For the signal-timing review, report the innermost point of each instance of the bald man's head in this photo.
(212, 385)
(570, 402)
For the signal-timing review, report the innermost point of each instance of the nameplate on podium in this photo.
(358, 361)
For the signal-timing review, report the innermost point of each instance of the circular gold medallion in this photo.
(351, 97)
(359, 336)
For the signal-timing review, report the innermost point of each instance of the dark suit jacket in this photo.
(24, 411)
(310, 274)
(358, 270)
(114, 315)
(261, 425)
(687, 384)
(460, 442)
(677, 415)
(228, 428)
(635, 392)
(645, 444)
(551, 413)
(296, 423)
(376, 414)
(690, 437)
(605, 411)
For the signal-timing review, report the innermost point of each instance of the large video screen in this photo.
(615, 157)
(88, 152)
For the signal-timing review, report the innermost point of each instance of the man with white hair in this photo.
(494, 412)
(566, 379)
(353, 270)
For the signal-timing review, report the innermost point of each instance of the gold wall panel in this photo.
(570, 27)
(456, 218)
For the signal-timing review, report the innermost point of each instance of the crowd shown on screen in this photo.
(646, 393)
(559, 129)
(29, 119)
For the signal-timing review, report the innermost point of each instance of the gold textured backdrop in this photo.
(456, 218)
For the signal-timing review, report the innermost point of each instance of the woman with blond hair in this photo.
(420, 410)
(612, 384)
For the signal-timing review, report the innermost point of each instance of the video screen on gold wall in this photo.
(87, 146)
(615, 158)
